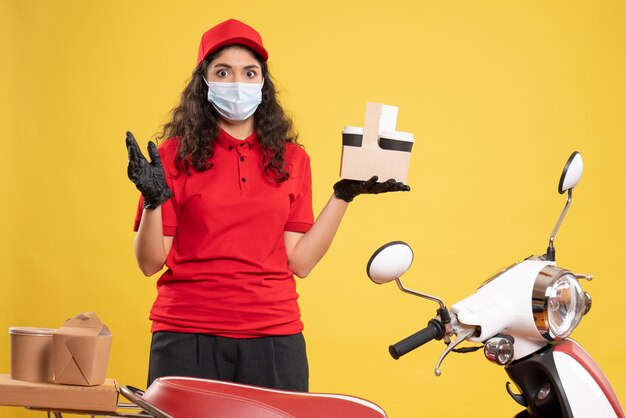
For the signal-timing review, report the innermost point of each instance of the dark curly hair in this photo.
(195, 122)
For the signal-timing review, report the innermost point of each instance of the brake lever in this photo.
(462, 335)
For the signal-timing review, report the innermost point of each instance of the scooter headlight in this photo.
(558, 303)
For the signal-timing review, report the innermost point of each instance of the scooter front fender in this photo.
(563, 380)
(587, 389)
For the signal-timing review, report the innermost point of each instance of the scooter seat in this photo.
(186, 397)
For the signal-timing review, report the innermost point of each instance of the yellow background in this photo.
(497, 93)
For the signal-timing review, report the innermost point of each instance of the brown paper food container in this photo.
(101, 398)
(376, 149)
(80, 351)
(31, 353)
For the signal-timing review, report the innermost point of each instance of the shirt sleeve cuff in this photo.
(169, 231)
(297, 226)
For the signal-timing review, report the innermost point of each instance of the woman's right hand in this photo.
(349, 189)
(149, 177)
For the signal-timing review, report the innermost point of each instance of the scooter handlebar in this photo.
(434, 331)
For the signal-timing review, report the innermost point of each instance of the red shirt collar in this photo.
(229, 142)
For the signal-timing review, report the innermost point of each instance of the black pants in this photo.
(277, 362)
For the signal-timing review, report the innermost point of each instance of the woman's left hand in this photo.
(349, 189)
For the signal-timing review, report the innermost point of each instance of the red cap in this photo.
(230, 32)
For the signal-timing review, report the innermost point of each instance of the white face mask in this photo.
(234, 101)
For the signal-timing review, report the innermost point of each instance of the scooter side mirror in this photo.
(572, 172)
(389, 262)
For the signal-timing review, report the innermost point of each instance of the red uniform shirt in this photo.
(228, 273)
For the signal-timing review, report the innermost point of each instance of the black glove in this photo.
(148, 177)
(349, 189)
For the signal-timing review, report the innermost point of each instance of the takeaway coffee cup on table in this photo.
(31, 354)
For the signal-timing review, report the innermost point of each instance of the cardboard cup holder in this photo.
(376, 148)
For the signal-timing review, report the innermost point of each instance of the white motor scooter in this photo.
(523, 315)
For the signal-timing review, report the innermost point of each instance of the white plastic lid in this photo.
(42, 332)
(355, 130)
(398, 136)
